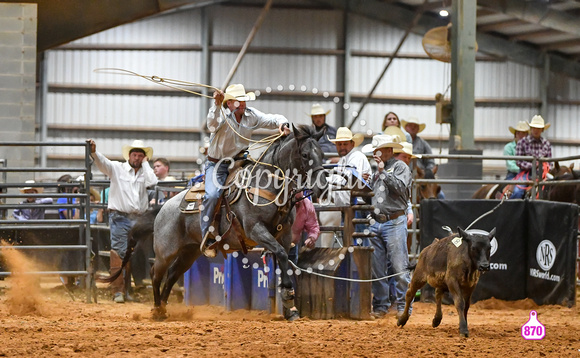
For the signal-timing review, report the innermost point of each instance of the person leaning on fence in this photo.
(67, 213)
(127, 198)
(521, 130)
(318, 117)
(306, 222)
(391, 185)
(533, 145)
(231, 124)
(161, 168)
(32, 213)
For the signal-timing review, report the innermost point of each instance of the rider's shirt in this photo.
(224, 142)
(529, 146)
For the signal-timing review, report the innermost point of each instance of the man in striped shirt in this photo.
(532, 145)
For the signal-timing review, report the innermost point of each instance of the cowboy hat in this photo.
(538, 122)
(413, 120)
(344, 134)
(317, 110)
(238, 92)
(407, 148)
(137, 144)
(522, 126)
(396, 131)
(95, 194)
(38, 190)
(382, 141)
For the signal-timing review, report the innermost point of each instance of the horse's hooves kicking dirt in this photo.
(159, 314)
(291, 315)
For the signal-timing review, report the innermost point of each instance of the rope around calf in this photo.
(311, 272)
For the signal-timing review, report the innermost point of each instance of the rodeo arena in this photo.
(278, 178)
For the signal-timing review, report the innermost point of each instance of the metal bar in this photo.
(41, 170)
(47, 273)
(22, 226)
(45, 221)
(42, 144)
(472, 181)
(394, 54)
(43, 247)
(247, 43)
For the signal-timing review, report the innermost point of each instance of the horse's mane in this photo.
(304, 131)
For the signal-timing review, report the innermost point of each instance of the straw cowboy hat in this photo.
(407, 148)
(522, 126)
(237, 92)
(38, 190)
(382, 141)
(396, 131)
(344, 134)
(317, 110)
(96, 195)
(538, 122)
(413, 120)
(137, 144)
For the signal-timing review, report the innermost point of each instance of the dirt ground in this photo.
(45, 322)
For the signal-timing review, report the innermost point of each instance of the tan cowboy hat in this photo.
(238, 92)
(318, 110)
(396, 131)
(38, 189)
(538, 122)
(344, 134)
(95, 194)
(382, 141)
(407, 148)
(522, 126)
(137, 144)
(413, 120)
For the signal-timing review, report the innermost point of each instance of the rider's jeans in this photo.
(215, 178)
(390, 246)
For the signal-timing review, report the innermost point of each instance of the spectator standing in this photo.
(127, 197)
(318, 117)
(391, 184)
(392, 120)
(31, 213)
(533, 145)
(67, 213)
(521, 130)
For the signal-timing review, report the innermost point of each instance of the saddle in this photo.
(509, 189)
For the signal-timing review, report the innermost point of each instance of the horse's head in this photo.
(307, 159)
(559, 171)
(427, 190)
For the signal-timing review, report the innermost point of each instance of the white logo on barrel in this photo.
(546, 255)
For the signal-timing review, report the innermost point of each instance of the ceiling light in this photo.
(443, 13)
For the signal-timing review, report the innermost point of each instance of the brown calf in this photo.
(451, 264)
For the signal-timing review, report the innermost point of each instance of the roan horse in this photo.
(177, 236)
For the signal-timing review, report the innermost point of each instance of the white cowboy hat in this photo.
(382, 141)
(38, 190)
(407, 148)
(396, 131)
(137, 144)
(538, 122)
(413, 120)
(522, 126)
(317, 110)
(238, 92)
(344, 134)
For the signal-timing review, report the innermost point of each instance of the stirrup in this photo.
(205, 245)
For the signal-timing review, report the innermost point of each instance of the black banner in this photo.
(519, 230)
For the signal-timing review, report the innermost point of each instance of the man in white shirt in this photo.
(231, 124)
(127, 197)
(345, 143)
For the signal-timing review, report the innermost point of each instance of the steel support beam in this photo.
(536, 12)
(462, 73)
(496, 46)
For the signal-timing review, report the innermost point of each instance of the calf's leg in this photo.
(459, 299)
(416, 283)
(438, 313)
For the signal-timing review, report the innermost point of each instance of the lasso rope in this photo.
(311, 272)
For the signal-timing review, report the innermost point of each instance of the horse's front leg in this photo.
(262, 236)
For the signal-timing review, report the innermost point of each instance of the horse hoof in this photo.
(292, 315)
(210, 253)
(159, 314)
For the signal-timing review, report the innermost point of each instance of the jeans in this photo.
(119, 225)
(214, 180)
(510, 175)
(390, 246)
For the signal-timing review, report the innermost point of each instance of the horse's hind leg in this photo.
(187, 255)
(157, 272)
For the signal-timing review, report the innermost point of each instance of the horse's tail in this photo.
(142, 230)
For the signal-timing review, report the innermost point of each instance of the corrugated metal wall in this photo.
(417, 78)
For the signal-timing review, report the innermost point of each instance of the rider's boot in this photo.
(208, 240)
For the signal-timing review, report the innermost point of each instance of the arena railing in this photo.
(83, 204)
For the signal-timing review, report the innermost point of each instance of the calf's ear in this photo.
(492, 234)
(461, 232)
